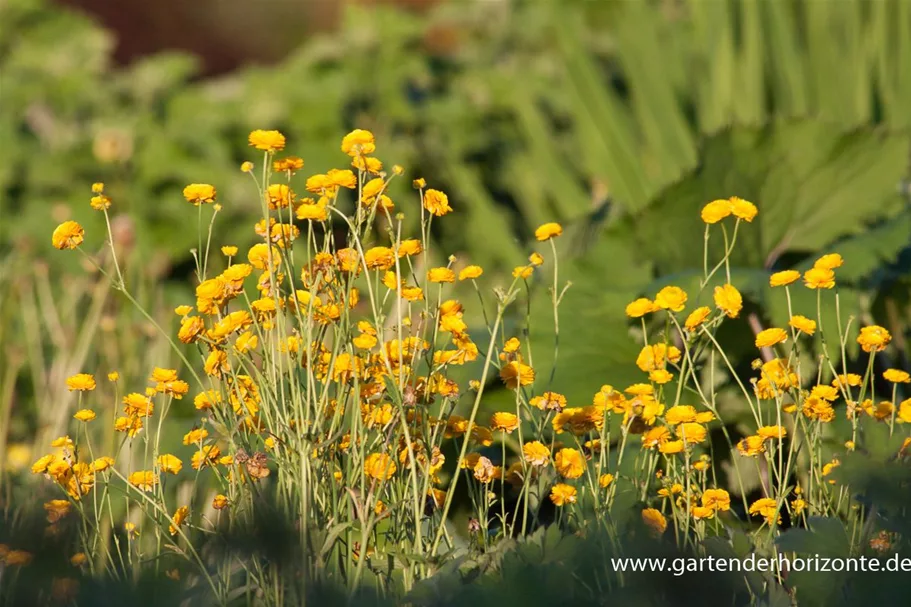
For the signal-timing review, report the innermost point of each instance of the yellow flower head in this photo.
(68, 235)
(728, 300)
(267, 141)
(803, 324)
(440, 275)
(82, 382)
(84, 415)
(783, 278)
(515, 374)
(199, 193)
(696, 318)
(819, 278)
(874, 338)
(144, 480)
(535, 453)
(641, 307)
(671, 298)
(569, 463)
(743, 209)
(548, 231)
(716, 210)
(504, 421)
(770, 337)
(716, 499)
(437, 202)
(470, 272)
(169, 463)
(358, 142)
(829, 262)
(654, 520)
(896, 376)
(562, 494)
(379, 466)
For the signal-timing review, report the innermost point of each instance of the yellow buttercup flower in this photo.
(68, 235)
(766, 507)
(716, 210)
(144, 480)
(504, 421)
(751, 446)
(440, 275)
(268, 141)
(169, 463)
(654, 520)
(548, 230)
(358, 142)
(199, 193)
(743, 209)
(671, 298)
(562, 494)
(819, 278)
(180, 515)
(379, 466)
(641, 307)
(437, 202)
(874, 338)
(829, 262)
(728, 300)
(535, 453)
(770, 337)
(803, 324)
(84, 415)
(515, 374)
(569, 463)
(783, 278)
(696, 318)
(82, 382)
(896, 376)
(605, 480)
(716, 499)
(470, 272)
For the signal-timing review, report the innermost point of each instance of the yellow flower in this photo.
(680, 414)
(199, 193)
(751, 446)
(82, 382)
(470, 272)
(904, 411)
(728, 300)
(716, 210)
(522, 272)
(289, 164)
(267, 141)
(358, 142)
(770, 337)
(696, 318)
(829, 262)
(144, 480)
(716, 499)
(113, 376)
(535, 259)
(102, 463)
(504, 421)
(440, 275)
(803, 324)
(691, 433)
(436, 202)
(220, 502)
(766, 507)
(819, 278)
(743, 209)
(535, 453)
(313, 212)
(412, 246)
(569, 463)
(770, 432)
(654, 520)
(180, 515)
(379, 466)
(97, 188)
(515, 374)
(896, 376)
(783, 278)
(671, 298)
(605, 480)
(169, 463)
(379, 258)
(671, 447)
(655, 356)
(660, 376)
(100, 202)
(873, 338)
(68, 235)
(548, 231)
(848, 379)
(562, 494)
(84, 415)
(640, 307)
